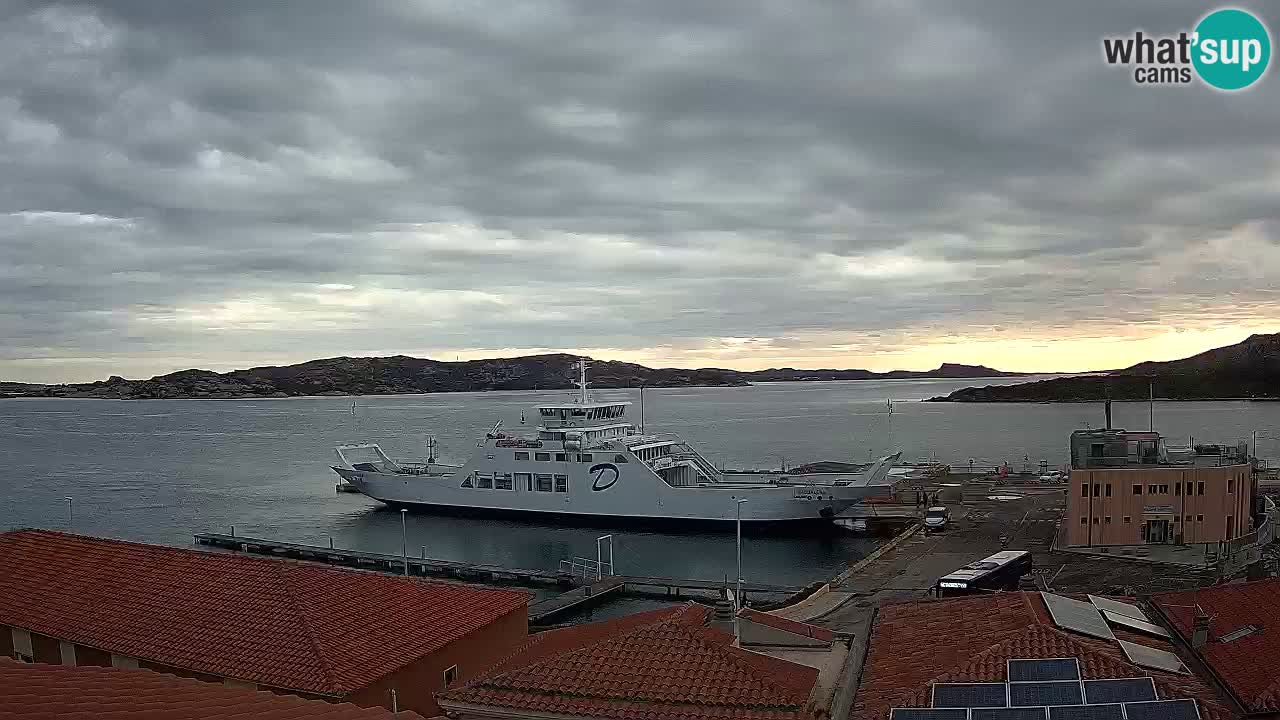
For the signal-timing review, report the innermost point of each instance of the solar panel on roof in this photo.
(928, 714)
(1120, 608)
(1077, 615)
(1039, 670)
(965, 695)
(1135, 624)
(1119, 691)
(1086, 712)
(1018, 713)
(1163, 710)
(1149, 657)
(1045, 693)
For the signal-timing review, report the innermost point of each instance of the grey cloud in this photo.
(622, 175)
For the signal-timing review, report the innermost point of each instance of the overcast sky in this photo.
(881, 184)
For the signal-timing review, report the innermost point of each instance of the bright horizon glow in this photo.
(1014, 354)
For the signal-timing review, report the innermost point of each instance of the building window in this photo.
(1231, 485)
(1177, 519)
(1231, 527)
(1084, 490)
(1163, 489)
(542, 457)
(1097, 490)
(1200, 488)
(1177, 488)
(502, 482)
(484, 481)
(561, 457)
(1188, 518)
(562, 483)
(450, 674)
(1107, 520)
(1095, 521)
(584, 457)
(524, 480)
(1108, 490)
(1137, 489)
(1126, 519)
(1084, 521)
(522, 454)
(1199, 518)
(1151, 489)
(544, 482)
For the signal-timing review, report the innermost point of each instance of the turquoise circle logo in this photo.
(1232, 49)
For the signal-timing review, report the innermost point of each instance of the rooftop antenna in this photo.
(642, 409)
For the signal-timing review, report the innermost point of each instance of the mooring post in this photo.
(233, 531)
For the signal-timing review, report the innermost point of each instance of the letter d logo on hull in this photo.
(606, 474)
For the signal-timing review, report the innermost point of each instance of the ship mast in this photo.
(582, 381)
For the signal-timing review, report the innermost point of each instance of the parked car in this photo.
(936, 518)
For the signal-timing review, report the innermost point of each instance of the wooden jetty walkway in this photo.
(543, 612)
(387, 562)
(586, 591)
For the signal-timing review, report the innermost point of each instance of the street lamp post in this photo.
(737, 593)
(404, 542)
(71, 515)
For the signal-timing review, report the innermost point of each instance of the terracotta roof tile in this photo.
(57, 692)
(971, 639)
(1246, 664)
(788, 625)
(283, 624)
(666, 664)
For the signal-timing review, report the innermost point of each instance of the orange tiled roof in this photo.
(788, 625)
(1245, 664)
(282, 624)
(663, 664)
(57, 692)
(970, 640)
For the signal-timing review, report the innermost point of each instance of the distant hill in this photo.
(403, 374)
(1249, 369)
(945, 370)
(387, 375)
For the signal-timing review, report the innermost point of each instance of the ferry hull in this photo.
(660, 505)
(800, 526)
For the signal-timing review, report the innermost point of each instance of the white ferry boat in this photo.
(587, 462)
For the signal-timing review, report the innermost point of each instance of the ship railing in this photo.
(586, 568)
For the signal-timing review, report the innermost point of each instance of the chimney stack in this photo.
(722, 618)
(1200, 629)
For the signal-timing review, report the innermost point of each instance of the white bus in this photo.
(1001, 571)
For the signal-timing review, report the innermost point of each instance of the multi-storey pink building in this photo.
(1130, 488)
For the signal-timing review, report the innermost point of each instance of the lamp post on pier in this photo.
(737, 593)
(404, 542)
